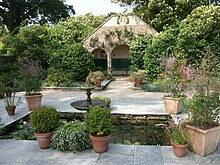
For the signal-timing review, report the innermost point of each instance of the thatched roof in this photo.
(116, 23)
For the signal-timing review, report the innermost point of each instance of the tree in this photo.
(199, 33)
(75, 29)
(15, 13)
(162, 13)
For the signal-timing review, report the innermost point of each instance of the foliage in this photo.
(98, 121)
(45, 119)
(20, 131)
(138, 75)
(153, 87)
(71, 63)
(8, 72)
(163, 13)
(31, 42)
(204, 104)
(94, 77)
(75, 29)
(10, 101)
(16, 13)
(105, 98)
(31, 75)
(177, 74)
(199, 33)
(71, 136)
(137, 51)
(177, 132)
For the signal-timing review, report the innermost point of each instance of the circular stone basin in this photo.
(84, 105)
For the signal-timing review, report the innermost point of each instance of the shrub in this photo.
(153, 87)
(198, 31)
(74, 61)
(71, 136)
(45, 119)
(31, 75)
(99, 121)
(137, 52)
(105, 98)
(94, 77)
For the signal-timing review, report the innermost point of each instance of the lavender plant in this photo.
(31, 76)
(204, 104)
(177, 73)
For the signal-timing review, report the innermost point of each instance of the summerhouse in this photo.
(111, 41)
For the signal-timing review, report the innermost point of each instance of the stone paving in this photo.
(125, 100)
(24, 152)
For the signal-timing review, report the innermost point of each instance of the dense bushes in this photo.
(137, 51)
(199, 32)
(71, 136)
(31, 42)
(69, 64)
(196, 35)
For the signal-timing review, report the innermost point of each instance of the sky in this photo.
(96, 7)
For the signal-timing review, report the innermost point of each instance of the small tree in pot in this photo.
(95, 78)
(31, 75)
(99, 123)
(44, 120)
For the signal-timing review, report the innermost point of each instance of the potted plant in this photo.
(139, 76)
(11, 103)
(204, 106)
(44, 121)
(31, 80)
(176, 75)
(99, 123)
(178, 137)
(95, 78)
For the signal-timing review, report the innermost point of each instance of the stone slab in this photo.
(151, 155)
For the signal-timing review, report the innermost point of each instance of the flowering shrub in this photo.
(31, 76)
(177, 73)
(71, 136)
(204, 104)
(176, 132)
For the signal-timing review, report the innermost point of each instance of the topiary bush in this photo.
(45, 119)
(71, 136)
(98, 121)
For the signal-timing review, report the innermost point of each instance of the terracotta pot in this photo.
(100, 144)
(10, 110)
(98, 84)
(138, 83)
(173, 105)
(33, 101)
(179, 150)
(131, 80)
(43, 139)
(203, 142)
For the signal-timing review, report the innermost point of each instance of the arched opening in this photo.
(121, 60)
(100, 58)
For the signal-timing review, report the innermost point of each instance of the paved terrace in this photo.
(125, 100)
(23, 152)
